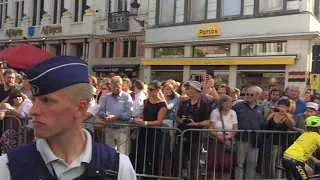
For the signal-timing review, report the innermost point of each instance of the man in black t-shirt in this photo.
(193, 114)
(9, 77)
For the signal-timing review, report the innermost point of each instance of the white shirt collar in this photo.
(48, 156)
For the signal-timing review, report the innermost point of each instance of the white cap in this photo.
(313, 105)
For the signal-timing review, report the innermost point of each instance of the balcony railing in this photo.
(118, 21)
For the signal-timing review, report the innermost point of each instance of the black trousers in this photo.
(296, 168)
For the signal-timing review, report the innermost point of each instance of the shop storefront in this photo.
(163, 73)
(235, 61)
(261, 76)
(123, 70)
(118, 54)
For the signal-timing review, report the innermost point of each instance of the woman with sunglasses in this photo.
(279, 120)
(153, 114)
(18, 105)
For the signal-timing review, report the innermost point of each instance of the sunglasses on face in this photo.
(248, 94)
(151, 89)
(14, 97)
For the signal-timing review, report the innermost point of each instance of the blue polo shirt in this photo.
(248, 118)
(301, 107)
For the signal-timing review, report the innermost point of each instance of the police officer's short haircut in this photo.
(139, 84)
(77, 92)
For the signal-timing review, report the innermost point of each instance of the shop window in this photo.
(264, 49)
(196, 10)
(211, 51)
(79, 50)
(271, 5)
(3, 12)
(129, 48)
(58, 50)
(169, 52)
(231, 7)
(38, 11)
(166, 11)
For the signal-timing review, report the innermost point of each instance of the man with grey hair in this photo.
(117, 108)
(249, 115)
(301, 106)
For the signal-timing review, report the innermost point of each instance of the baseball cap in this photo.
(195, 85)
(313, 105)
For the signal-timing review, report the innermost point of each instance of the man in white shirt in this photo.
(140, 96)
(63, 150)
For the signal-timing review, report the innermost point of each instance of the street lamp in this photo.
(134, 12)
(43, 42)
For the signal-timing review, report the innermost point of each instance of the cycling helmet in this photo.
(313, 121)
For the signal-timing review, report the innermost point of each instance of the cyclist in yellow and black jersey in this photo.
(296, 156)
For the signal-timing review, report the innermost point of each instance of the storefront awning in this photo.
(115, 68)
(264, 60)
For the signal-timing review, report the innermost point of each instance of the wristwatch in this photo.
(146, 123)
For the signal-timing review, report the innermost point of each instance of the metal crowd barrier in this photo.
(12, 133)
(152, 150)
(196, 154)
(190, 154)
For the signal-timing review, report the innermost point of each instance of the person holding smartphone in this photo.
(279, 120)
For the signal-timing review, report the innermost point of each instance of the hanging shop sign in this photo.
(297, 76)
(116, 39)
(211, 29)
(14, 32)
(51, 29)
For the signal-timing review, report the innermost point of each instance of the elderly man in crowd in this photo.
(117, 108)
(249, 114)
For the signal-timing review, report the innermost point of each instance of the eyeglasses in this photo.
(248, 94)
(150, 89)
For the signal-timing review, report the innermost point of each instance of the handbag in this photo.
(232, 147)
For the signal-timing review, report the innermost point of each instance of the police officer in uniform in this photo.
(63, 150)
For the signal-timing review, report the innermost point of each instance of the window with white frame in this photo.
(166, 11)
(79, 10)
(271, 5)
(3, 12)
(196, 10)
(19, 11)
(58, 9)
(37, 12)
(231, 7)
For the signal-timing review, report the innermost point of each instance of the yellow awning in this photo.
(221, 61)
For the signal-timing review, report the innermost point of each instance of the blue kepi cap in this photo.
(56, 73)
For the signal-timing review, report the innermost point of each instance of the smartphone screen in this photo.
(210, 72)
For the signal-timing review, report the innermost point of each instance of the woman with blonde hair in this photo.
(168, 96)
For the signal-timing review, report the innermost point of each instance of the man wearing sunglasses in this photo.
(249, 114)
